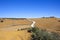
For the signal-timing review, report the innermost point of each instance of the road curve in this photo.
(33, 23)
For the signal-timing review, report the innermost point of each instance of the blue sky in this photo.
(29, 8)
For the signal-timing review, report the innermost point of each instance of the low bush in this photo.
(38, 34)
(1, 21)
(58, 20)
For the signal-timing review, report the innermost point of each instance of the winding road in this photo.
(33, 23)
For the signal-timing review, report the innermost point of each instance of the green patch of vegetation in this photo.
(38, 34)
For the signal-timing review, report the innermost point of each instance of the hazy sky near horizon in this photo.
(29, 8)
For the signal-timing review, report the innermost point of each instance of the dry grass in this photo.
(10, 22)
(9, 27)
(14, 35)
(48, 23)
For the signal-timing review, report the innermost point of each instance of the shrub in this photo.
(1, 21)
(58, 20)
(38, 34)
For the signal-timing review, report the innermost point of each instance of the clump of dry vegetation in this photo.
(58, 20)
(1, 21)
